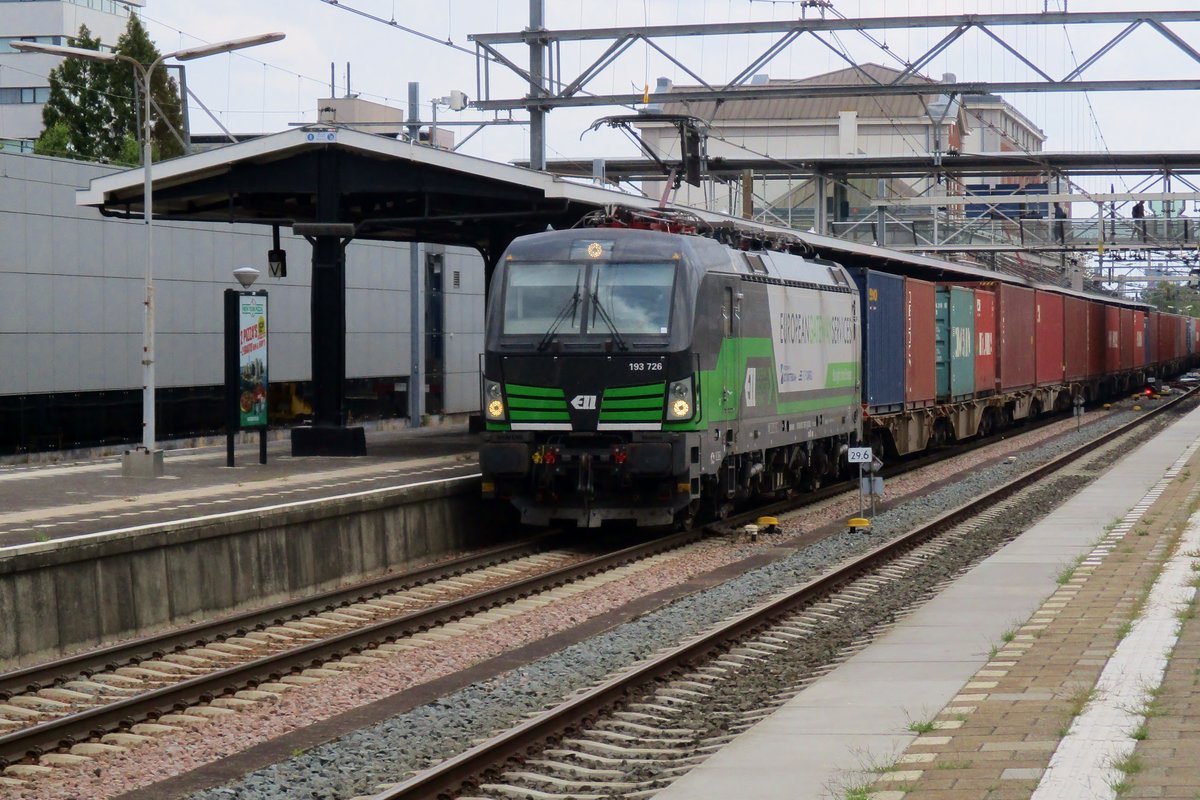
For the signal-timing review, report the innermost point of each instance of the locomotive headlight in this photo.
(679, 399)
(494, 398)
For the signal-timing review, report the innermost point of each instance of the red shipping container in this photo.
(1126, 338)
(1075, 338)
(1165, 341)
(1180, 337)
(920, 343)
(1048, 320)
(1095, 339)
(1160, 325)
(1112, 339)
(1015, 366)
(1139, 338)
(985, 342)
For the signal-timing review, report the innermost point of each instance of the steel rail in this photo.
(50, 673)
(89, 723)
(462, 770)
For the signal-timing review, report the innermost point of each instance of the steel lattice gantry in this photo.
(549, 89)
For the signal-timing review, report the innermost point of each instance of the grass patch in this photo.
(1140, 733)
(953, 765)
(1079, 699)
(921, 726)
(1008, 635)
(1124, 630)
(1129, 765)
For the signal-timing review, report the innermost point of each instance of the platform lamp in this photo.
(146, 461)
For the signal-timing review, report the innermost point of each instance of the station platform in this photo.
(89, 556)
(1039, 673)
(89, 497)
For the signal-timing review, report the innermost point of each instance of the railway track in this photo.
(112, 696)
(637, 731)
(118, 696)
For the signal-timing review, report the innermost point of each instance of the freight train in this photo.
(650, 369)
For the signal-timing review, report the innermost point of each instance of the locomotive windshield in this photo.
(637, 297)
(547, 299)
(540, 296)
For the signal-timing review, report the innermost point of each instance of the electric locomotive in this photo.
(650, 376)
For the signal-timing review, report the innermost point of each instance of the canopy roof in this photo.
(402, 191)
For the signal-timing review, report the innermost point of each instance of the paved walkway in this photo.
(50, 502)
(1014, 678)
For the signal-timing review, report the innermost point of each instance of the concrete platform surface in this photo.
(46, 502)
(852, 731)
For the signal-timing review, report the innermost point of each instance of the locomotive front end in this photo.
(588, 380)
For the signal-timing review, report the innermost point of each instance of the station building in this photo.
(795, 129)
(25, 77)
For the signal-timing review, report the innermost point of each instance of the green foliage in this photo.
(1175, 298)
(94, 109)
(77, 105)
(54, 141)
(135, 42)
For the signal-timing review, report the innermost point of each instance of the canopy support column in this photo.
(328, 434)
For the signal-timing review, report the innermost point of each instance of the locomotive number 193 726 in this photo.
(645, 366)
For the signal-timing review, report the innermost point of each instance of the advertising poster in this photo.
(252, 361)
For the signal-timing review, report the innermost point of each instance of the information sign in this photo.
(252, 361)
(859, 455)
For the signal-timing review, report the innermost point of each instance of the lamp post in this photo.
(146, 461)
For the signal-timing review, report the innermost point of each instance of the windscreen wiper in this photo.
(603, 314)
(568, 309)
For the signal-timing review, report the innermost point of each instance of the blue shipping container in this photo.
(882, 298)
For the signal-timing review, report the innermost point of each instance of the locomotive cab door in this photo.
(732, 375)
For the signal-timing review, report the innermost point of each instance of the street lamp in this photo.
(146, 461)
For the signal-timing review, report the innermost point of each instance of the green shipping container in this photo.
(955, 311)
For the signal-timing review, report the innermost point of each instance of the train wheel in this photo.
(686, 517)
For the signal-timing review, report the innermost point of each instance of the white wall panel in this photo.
(67, 272)
(39, 368)
(462, 393)
(13, 313)
(92, 354)
(14, 359)
(39, 303)
(65, 366)
(12, 237)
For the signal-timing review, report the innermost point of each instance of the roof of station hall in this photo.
(401, 191)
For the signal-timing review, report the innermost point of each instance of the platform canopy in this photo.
(402, 191)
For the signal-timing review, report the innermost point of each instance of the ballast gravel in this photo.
(356, 764)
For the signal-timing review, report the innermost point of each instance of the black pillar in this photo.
(328, 435)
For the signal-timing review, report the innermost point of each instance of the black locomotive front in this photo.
(589, 384)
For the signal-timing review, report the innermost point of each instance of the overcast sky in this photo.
(270, 87)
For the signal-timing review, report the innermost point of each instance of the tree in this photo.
(77, 114)
(126, 86)
(95, 108)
